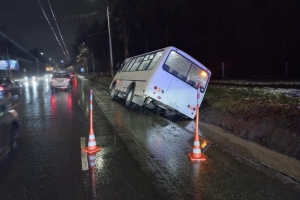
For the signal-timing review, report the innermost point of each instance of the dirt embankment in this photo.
(269, 117)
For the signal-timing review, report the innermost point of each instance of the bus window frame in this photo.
(146, 58)
(129, 65)
(138, 62)
(161, 51)
(124, 64)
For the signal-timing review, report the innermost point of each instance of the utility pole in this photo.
(110, 47)
(87, 68)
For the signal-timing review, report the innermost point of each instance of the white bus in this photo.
(164, 80)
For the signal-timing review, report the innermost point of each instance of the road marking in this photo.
(15, 105)
(84, 162)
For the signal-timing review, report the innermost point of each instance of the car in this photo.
(32, 78)
(48, 75)
(60, 80)
(10, 126)
(9, 87)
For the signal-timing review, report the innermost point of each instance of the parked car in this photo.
(60, 80)
(9, 87)
(10, 126)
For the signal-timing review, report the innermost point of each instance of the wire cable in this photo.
(62, 39)
(52, 28)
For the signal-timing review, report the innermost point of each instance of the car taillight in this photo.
(1, 88)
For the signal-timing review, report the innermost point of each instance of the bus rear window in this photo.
(178, 65)
(196, 75)
(185, 70)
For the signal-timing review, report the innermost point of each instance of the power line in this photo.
(62, 39)
(52, 28)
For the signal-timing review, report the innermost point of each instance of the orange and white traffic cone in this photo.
(92, 147)
(197, 155)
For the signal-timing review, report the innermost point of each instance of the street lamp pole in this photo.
(110, 48)
(87, 68)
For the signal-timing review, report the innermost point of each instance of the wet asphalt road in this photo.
(144, 156)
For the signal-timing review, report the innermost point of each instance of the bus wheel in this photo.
(128, 100)
(129, 97)
(113, 93)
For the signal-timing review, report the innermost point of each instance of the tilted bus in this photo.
(164, 80)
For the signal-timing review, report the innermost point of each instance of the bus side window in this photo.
(144, 65)
(137, 63)
(121, 66)
(154, 60)
(129, 66)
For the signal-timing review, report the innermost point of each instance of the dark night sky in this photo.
(24, 19)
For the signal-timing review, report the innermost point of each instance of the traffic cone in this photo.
(197, 155)
(92, 148)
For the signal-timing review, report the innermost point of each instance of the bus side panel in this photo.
(139, 88)
(119, 85)
(125, 85)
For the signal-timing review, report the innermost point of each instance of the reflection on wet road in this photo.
(144, 156)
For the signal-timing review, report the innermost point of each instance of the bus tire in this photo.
(113, 93)
(128, 100)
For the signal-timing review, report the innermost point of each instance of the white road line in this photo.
(84, 162)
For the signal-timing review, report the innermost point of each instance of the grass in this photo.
(252, 101)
